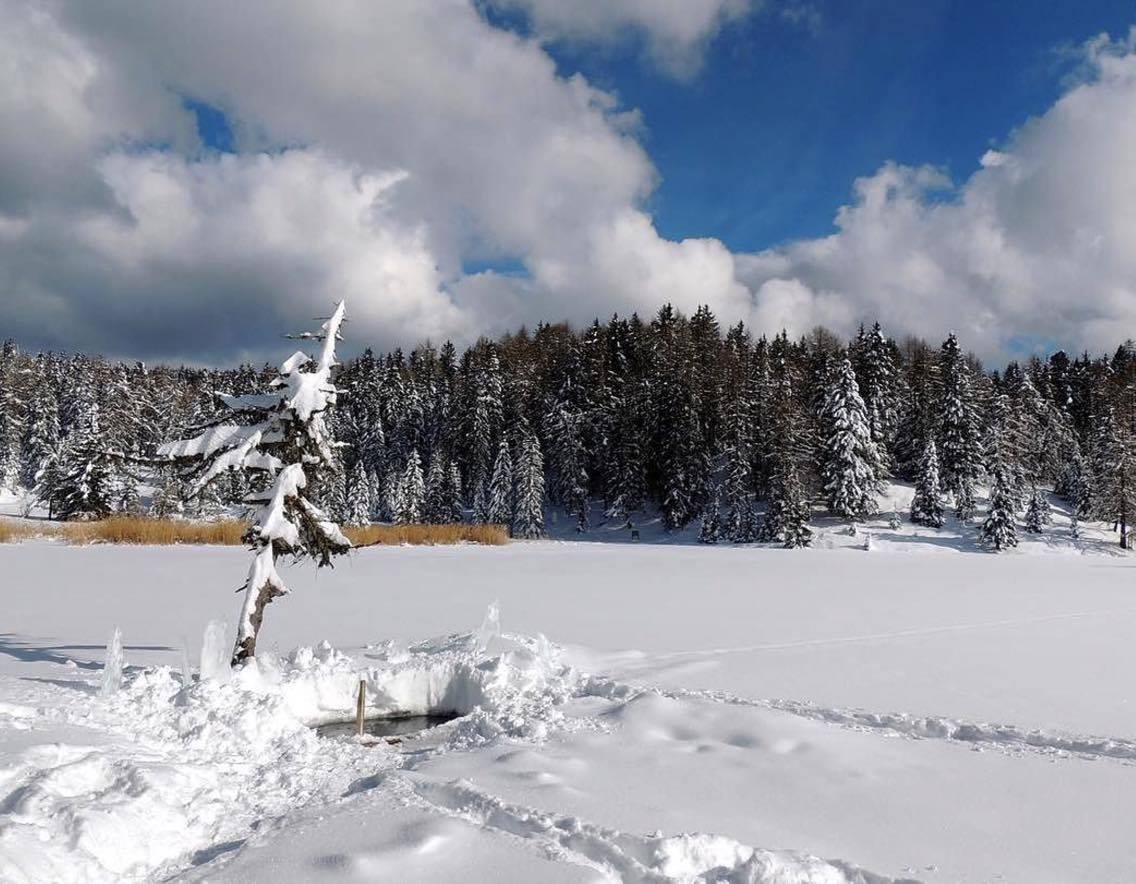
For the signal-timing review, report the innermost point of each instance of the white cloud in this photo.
(1037, 246)
(385, 147)
(676, 31)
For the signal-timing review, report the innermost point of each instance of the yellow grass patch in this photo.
(427, 535)
(12, 531)
(160, 532)
(165, 532)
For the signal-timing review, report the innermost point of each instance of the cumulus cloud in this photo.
(499, 158)
(1037, 248)
(383, 149)
(676, 32)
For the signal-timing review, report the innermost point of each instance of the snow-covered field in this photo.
(736, 713)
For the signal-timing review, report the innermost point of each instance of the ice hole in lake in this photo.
(386, 725)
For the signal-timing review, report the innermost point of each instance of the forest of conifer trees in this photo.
(745, 434)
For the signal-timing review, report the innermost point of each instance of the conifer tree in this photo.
(566, 452)
(85, 486)
(999, 532)
(528, 521)
(788, 512)
(710, 531)
(481, 504)
(1115, 499)
(850, 460)
(434, 505)
(412, 491)
(11, 419)
(501, 488)
(960, 455)
(927, 505)
(1037, 513)
(282, 434)
(452, 496)
(358, 496)
(878, 384)
(41, 431)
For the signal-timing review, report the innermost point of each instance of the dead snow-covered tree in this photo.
(282, 434)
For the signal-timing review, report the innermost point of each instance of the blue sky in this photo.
(762, 144)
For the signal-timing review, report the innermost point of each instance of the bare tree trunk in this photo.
(262, 586)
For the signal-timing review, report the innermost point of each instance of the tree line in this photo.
(743, 434)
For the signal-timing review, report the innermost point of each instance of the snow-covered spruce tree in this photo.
(454, 511)
(281, 434)
(624, 479)
(850, 462)
(11, 419)
(960, 451)
(501, 487)
(567, 461)
(1115, 498)
(788, 512)
(433, 504)
(927, 504)
(41, 430)
(358, 495)
(999, 532)
(85, 484)
(874, 358)
(411, 492)
(738, 457)
(528, 519)
(711, 528)
(481, 504)
(169, 501)
(1037, 513)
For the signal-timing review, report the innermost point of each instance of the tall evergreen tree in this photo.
(851, 466)
(999, 532)
(960, 453)
(411, 492)
(358, 495)
(788, 512)
(1115, 499)
(711, 528)
(927, 504)
(501, 487)
(1037, 513)
(528, 520)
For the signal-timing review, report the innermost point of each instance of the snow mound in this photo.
(198, 764)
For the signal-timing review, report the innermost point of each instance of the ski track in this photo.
(1005, 737)
(635, 859)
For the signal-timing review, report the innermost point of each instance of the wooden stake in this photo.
(359, 706)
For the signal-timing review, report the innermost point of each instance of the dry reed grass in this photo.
(159, 532)
(12, 531)
(165, 532)
(427, 535)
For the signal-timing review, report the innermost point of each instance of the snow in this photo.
(694, 713)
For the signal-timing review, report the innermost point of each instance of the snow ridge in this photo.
(899, 724)
(639, 859)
